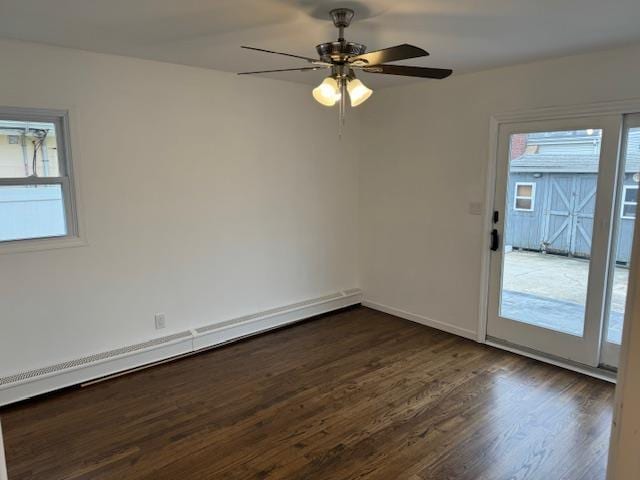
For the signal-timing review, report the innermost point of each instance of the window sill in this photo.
(39, 244)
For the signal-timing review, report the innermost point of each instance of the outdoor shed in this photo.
(551, 200)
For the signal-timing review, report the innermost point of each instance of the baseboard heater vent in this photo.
(78, 362)
(22, 385)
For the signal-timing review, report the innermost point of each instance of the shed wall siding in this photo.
(562, 219)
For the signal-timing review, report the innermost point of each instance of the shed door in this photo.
(582, 219)
(558, 214)
(570, 206)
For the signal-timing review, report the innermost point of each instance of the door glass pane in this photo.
(624, 235)
(550, 205)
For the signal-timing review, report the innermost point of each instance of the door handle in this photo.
(495, 240)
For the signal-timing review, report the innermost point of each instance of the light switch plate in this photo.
(161, 320)
(475, 208)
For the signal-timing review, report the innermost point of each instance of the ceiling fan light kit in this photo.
(358, 92)
(344, 58)
(327, 93)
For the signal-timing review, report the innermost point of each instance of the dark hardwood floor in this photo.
(356, 394)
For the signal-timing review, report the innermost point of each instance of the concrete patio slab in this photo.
(551, 291)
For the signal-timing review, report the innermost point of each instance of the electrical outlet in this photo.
(161, 321)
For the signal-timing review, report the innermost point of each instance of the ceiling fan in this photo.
(344, 58)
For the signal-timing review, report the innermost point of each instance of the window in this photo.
(524, 196)
(629, 201)
(36, 184)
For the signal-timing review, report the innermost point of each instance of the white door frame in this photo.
(623, 451)
(583, 349)
(620, 107)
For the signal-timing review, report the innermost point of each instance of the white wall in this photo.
(425, 150)
(205, 196)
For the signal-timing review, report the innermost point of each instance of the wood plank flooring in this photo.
(357, 394)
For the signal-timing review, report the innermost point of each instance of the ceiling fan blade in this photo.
(281, 53)
(391, 54)
(407, 71)
(301, 69)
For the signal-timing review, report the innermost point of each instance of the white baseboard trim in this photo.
(446, 327)
(23, 385)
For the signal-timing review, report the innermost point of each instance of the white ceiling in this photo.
(466, 35)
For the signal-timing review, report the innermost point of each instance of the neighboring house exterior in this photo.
(552, 188)
(16, 150)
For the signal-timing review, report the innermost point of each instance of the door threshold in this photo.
(596, 372)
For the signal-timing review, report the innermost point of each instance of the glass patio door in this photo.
(554, 196)
(624, 215)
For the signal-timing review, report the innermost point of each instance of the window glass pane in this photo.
(630, 194)
(524, 191)
(523, 203)
(28, 148)
(629, 210)
(31, 212)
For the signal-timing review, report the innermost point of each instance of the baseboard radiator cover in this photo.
(27, 384)
(217, 334)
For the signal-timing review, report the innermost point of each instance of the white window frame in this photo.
(624, 201)
(517, 197)
(60, 118)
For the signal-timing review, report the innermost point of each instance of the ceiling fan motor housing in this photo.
(339, 51)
